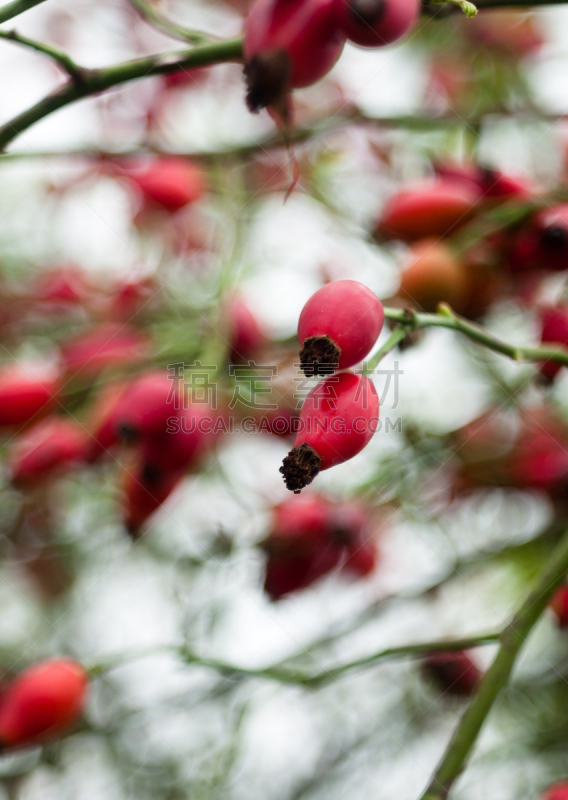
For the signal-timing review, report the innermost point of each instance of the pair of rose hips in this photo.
(290, 44)
(42, 703)
(338, 327)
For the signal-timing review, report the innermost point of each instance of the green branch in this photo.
(162, 24)
(99, 80)
(282, 675)
(410, 320)
(63, 60)
(11, 10)
(511, 641)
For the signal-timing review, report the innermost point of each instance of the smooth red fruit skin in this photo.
(42, 702)
(431, 208)
(339, 401)
(45, 447)
(554, 330)
(454, 672)
(145, 489)
(559, 604)
(245, 333)
(338, 419)
(558, 791)
(170, 183)
(350, 315)
(373, 23)
(296, 41)
(23, 394)
(102, 347)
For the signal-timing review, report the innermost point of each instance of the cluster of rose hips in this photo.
(513, 260)
(290, 44)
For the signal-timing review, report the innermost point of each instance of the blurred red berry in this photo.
(554, 330)
(46, 447)
(103, 432)
(147, 405)
(169, 183)
(62, 286)
(24, 393)
(558, 791)
(145, 489)
(373, 23)
(453, 672)
(245, 334)
(559, 604)
(432, 275)
(338, 327)
(102, 347)
(431, 208)
(541, 243)
(42, 703)
(309, 537)
(185, 440)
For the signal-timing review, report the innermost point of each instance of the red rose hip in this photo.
(558, 791)
(288, 44)
(338, 327)
(373, 23)
(46, 447)
(453, 672)
(42, 702)
(431, 208)
(338, 419)
(24, 393)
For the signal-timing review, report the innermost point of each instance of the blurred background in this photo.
(108, 273)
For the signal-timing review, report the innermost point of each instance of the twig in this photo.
(162, 24)
(446, 318)
(62, 59)
(512, 640)
(11, 10)
(99, 80)
(282, 675)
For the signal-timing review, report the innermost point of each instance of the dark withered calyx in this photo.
(367, 12)
(268, 80)
(300, 467)
(319, 356)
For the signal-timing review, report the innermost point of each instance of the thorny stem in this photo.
(511, 641)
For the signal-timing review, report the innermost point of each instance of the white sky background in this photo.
(126, 598)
